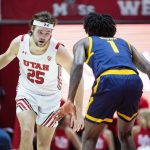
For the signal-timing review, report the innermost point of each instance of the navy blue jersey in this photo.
(107, 53)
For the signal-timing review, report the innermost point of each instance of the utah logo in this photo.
(49, 58)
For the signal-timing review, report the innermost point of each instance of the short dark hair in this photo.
(99, 25)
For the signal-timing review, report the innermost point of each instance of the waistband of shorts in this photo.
(118, 72)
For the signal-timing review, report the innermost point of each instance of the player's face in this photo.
(41, 35)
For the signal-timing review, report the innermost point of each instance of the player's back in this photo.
(107, 53)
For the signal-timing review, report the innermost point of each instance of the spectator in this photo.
(5, 140)
(143, 103)
(64, 137)
(141, 132)
(105, 140)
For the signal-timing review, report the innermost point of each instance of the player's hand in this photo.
(77, 123)
(67, 108)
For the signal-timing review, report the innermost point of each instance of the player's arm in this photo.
(79, 51)
(140, 61)
(65, 60)
(11, 53)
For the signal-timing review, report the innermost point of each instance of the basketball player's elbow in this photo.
(78, 67)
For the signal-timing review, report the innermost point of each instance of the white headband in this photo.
(43, 24)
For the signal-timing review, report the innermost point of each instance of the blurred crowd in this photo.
(66, 139)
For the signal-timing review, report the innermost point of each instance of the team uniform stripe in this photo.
(98, 120)
(25, 103)
(28, 103)
(49, 119)
(52, 123)
(90, 53)
(22, 106)
(127, 117)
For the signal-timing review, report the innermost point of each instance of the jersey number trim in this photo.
(113, 46)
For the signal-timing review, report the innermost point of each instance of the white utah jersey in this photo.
(39, 74)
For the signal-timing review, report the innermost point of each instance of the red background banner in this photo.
(66, 10)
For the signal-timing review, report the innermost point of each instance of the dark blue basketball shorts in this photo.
(119, 91)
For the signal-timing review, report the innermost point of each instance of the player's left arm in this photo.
(140, 61)
(65, 60)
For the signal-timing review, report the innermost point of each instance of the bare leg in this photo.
(27, 122)
(90, 135)
(44, 137)
(125, 137)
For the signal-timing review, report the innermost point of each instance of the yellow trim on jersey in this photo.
(97, 82)
(127, 117)
(89, 50)
(129, 47)
(89, 103)
(97, 119)
(118, 72)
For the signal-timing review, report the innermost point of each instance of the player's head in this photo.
(42, 26)
(99, 25)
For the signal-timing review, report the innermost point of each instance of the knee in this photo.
(90, 138)
(27, 134)
(124, 135)
(43, 145)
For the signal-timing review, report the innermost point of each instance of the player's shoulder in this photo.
(83, 41)
(121, 39)
(16, 41)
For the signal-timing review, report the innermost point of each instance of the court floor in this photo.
(136, 34)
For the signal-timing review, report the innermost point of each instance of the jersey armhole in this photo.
(58, 44)
(129, 45)
(89, 53)
(22, 37)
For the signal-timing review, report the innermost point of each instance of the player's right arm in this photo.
(11, 52)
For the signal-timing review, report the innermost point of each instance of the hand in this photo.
(77, 124)
(67, 108)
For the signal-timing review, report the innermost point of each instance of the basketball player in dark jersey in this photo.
(117, 85)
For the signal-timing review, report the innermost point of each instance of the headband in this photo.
(43, 24)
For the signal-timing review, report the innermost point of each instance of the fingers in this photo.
(58, 115)
(77, 124)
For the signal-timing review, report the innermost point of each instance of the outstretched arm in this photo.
(140, 61)
(65, 60)
(77, 68)
(10, 54)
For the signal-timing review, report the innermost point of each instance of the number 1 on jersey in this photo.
(114, 47)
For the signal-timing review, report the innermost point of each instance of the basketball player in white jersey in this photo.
(39, 85)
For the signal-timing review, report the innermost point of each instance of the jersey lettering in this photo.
(36, 65)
